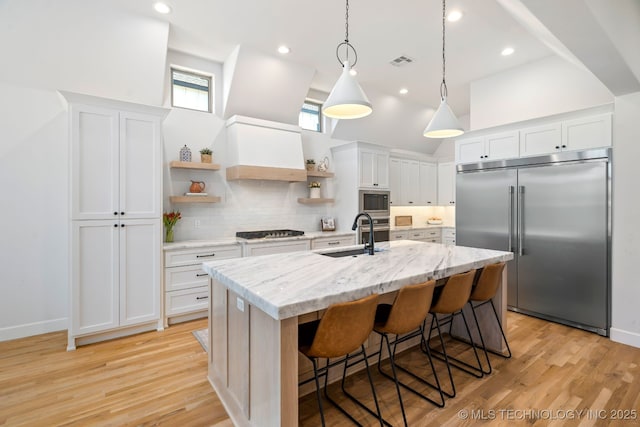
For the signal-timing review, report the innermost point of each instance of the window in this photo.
(191, 90)
(311, 116)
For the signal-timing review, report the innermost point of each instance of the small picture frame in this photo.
(328, 223)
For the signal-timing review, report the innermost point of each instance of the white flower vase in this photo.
(314, 193)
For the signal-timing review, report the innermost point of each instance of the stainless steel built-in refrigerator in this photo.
(553, 212)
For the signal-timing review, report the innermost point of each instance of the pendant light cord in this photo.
(346, 43)
(443, 85)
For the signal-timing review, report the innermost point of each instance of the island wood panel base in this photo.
(253, 362)
(490, 329)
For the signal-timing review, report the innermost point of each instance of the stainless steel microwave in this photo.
(374, 202)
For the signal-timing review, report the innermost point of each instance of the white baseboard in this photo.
(625, 337)
(36, 328)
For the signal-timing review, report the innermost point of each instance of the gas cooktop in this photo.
(268, 234)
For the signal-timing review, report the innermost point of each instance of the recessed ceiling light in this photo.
(284, 49)
(507, 51)
(353, 72)
(454, 16)
(404, 91)
(162, 8)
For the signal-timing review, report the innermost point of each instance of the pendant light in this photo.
(444, 123)
(347, 100)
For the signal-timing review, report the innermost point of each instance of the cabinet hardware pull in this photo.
(201, 274)
(199, 298)
(564, 146)
(115, 213)
(121, 225)
(115, 225)
(410, 202)
(557, 147)
(205, 256)
(121, 213)
(333, 243)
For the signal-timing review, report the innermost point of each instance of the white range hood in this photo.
(262, 149)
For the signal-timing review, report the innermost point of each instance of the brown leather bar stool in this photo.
(342, 330)
(405, 320)
(482, 294)
(450, 302)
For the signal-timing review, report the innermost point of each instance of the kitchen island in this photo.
(255, 304)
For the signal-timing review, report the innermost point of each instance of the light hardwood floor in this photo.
(159, 378)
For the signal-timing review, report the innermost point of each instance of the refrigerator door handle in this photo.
(521, 220)
(510, 220)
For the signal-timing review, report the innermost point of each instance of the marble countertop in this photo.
(195, 244)
(419, 227)
(287, 285)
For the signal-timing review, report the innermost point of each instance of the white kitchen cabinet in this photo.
(569, 135)
(587, 132)
(412, 183)
(428, 184)
(449, 236)
(115, 274)
(539, 140)
(116, 189)
(395, 182)
(498, 146)
(446, 184)
(116, 162)
(374, 169)
(398, 235)
(186, 285)
(253, 248)
(333, 242)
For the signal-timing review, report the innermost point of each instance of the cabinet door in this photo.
(367, 164)
(470, 150)
(382, 171)
(140, 166)
(395, 182)
(446, 184)
(590, 132)
(139, 271)
(410, 181)
(94, 163)
(502, 146)
(540, 140)
(94, 276)
(428, 184)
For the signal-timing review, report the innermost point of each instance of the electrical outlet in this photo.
(240, 304)
(196, 223)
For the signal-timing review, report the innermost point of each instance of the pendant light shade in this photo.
(444, 123)
(347, 100)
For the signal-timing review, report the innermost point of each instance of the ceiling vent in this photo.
(401, 61)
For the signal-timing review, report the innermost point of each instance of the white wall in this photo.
(246, 205)
(626, 212)
(541, 88)
(45, 46)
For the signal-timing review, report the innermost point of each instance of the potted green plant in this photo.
(311, 164)
(205, 155)
(314, 190)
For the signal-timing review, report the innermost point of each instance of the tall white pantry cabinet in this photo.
(116, 218)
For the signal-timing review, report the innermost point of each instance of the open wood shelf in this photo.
(318, 174)
(194, 165)
(315, 201)
(194, 199)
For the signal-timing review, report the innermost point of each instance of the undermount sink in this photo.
(350, 252)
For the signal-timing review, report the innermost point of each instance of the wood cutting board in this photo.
(404, 220)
